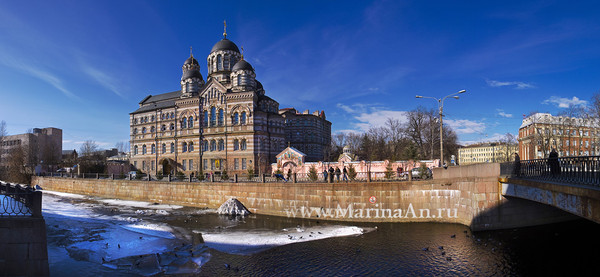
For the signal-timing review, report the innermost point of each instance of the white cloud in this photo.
(518, 85)
(503, 114)
(378, 118)
(565, 102)
(104, 79)
(465, 126)
(370, 116)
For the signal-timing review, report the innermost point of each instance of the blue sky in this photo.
(83, 66)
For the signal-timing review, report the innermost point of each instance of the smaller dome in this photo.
(191, 60)
(190, 74)
(242, 65)
(225, 44)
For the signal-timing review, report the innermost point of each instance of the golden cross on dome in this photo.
(242, 52)
(224, 28)
(191, 55)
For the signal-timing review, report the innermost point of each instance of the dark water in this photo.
(394, 249)
(571, 248)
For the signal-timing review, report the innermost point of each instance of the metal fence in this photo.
(19, 200)
(572, 170)
(256, 178)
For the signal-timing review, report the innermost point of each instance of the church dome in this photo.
(190, 74)
(225, 44)
(242, 65)
(191, 60)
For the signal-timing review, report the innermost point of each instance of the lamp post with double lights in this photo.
(441, 110)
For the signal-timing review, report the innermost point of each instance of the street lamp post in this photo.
(441, 110)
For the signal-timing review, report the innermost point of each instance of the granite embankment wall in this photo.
(23, 250)
(472, 201)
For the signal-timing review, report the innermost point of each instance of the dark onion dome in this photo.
(259, 85)
(225, 44)
(190, 74)
(191, 60)
(242, 65)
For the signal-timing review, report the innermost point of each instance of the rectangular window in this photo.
(183, 165)
(152, 165)
(191, 164)
(205, 164)
(212, 164)
(135, 164)
(235, 164)
(243, 163)
(143, 165)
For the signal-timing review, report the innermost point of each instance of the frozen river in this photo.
(103, 237)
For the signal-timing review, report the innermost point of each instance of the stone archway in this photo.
(166, 166)
(288, 167)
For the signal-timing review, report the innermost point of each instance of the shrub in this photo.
(200, 175)
(250, 173)
(389, 171)
(138, 174)
(159, 175)
(312, 173)
(180, 175)
(351, 172)
(224, 175)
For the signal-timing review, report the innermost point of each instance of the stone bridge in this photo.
(571, 184)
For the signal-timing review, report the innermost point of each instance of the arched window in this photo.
(236, 144)
(191, 146)
(152, 118)
(183, 123)
(184, 147)
(172, 127)
(153, 149)
(219, 63)
(213, 116)
(213, 145)
(243, 144)
(221, 145)
(144, 149)
(243, 118)
(163, 127)
(220, 117)
(172, 147)
(236, 119)
(239, 80)
(144, 130)
(191, 122)
(205, 146)
(162, 116)
(205, 119)
(134, 131)
(164, 148)
(152, 129)
(135, 150)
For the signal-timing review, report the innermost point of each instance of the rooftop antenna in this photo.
(224, 28)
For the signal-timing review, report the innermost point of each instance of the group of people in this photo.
(337, 172)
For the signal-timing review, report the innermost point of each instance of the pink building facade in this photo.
(292, 159)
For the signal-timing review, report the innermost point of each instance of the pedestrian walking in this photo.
(325, 175)
(331, 171)
(553, 163)
(345, 172)
(337, 174)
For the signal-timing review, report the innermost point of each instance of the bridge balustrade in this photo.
(572, 170)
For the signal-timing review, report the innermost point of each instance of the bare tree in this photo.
(3, 131)
(88, 148)
(507, 142)
(17, 171)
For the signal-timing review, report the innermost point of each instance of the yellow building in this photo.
(486, 153)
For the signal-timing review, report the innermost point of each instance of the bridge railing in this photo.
(19, 200)
(574, 170)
